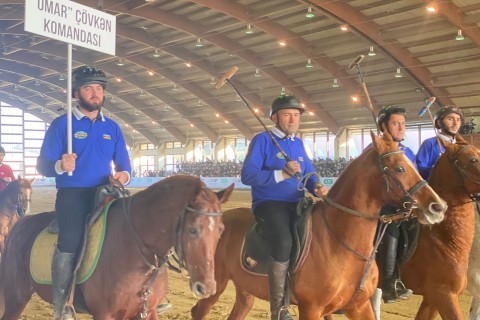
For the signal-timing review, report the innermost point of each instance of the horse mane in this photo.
(163, 188)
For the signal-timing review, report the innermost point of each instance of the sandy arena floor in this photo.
(183, 300)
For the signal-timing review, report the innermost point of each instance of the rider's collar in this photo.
(79, 115)
(446, 138)
(279, 133)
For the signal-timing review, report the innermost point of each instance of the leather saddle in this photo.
(256, 249)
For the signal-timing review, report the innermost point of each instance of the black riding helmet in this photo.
(286, 102)
(87, 75)
(2, 150)
(444, 111)
(386, 112)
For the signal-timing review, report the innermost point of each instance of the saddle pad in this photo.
(44, 248)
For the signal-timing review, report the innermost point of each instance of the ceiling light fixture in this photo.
(256, 110)
(120, 62)
(136, 112)
(61, 77)
(354, 98)
(174, 87)
(249, 29)
(150, 72)
(199, 43)
(217, 115)
(282, 43)
(309, 64)
(398, 74)
(459, 36)
(212, 81)
(344, 27)
(257, 73)
(188, 64)
(156, 54)
(37, 83)
(371, 53)
(238, 98)
(431, 8)
(282, 92)
(142, 94)
(310, 13)
(335, 83)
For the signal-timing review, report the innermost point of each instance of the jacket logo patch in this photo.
(107, 136)
(300, 158)
(80, 135)
(280, 156)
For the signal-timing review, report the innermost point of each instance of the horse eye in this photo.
(193, 231)
(400, 169)
(474, 161)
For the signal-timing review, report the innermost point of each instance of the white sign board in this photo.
(73, 23)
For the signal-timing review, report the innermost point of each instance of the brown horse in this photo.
(177, 211)
(438, 269)
(16, 195)
(341, 250)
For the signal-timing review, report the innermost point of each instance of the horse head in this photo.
(405, 187)
(198, 233)
(460, 166)
(25, 195)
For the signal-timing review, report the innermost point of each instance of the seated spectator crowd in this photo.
(209, 168)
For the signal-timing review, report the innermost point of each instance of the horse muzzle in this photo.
(204, 290)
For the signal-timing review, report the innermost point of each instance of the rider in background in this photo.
(274, 191)
(448, 121)
(97, 142)
(392, 119)
(6, 172)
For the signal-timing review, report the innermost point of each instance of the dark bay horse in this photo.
(341, 250)
(17, 194)
(178, 211)
(438, 269)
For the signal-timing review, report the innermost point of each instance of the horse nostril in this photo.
(437, 207)
(199, 289)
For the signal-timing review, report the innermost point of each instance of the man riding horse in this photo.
(97, 141)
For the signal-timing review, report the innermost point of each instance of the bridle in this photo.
(408, 202)
(163, 259)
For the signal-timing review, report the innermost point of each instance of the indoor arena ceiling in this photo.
(170, 53)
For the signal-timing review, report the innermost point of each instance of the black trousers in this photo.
(72, 207)
(276, 218)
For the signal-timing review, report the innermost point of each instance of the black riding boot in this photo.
(277, 278)
(62, 275)
(392, 288)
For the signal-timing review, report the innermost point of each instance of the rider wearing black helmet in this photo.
(448, 121)
(97, 142)
(6, 172)
(392, 119)
(274, 190)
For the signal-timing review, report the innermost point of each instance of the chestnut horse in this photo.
(473, 275)
(338, 272)
(17, 194)
(438, 268)
(178, 211)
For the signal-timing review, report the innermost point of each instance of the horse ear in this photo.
(225, 194)
(460, 140)
(387, 136)
(378, 143)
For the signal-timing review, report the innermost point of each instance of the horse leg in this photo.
(309, 312)
(362, 311)
(449, 308)
(474, 313)
(14, 305)
(376, 302)
(203, 306)
(426, 311)
(243, 304)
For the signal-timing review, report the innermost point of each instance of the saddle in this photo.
(256, 249)
(409, 231)
(104, 195)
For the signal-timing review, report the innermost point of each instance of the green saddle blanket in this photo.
(44, 248)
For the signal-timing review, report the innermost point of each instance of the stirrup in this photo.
(69, 313)
(283, 314)
(398, 292)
